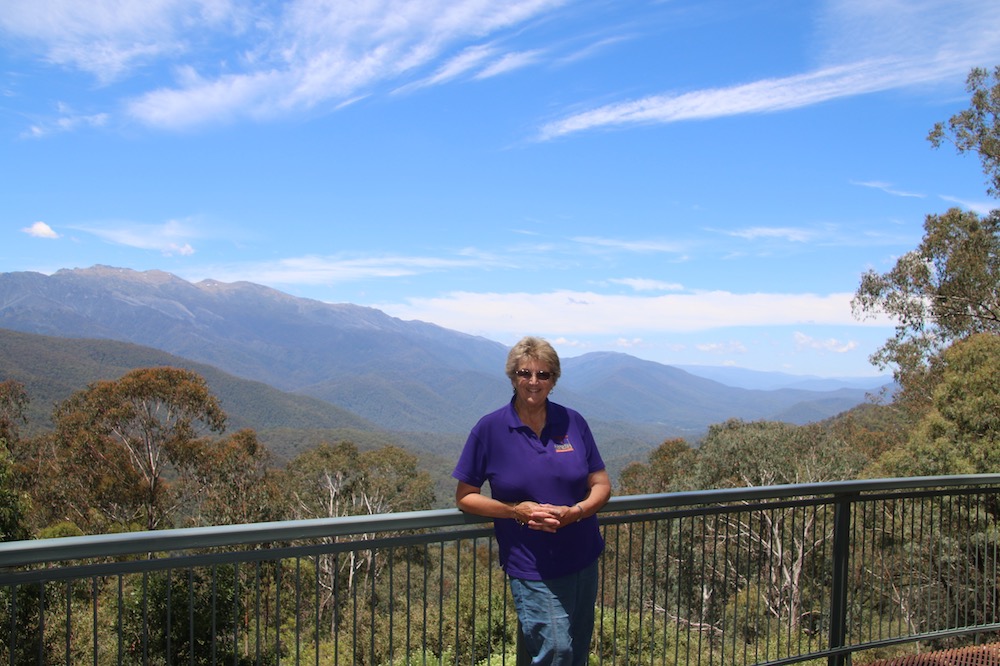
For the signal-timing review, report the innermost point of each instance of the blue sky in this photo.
(687, 181)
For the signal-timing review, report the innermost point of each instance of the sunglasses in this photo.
(540, 375)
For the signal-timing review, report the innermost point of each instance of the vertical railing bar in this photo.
(642, 584)
(69, 618)
(215, 608)
(630, 538)
(335, 592)
(277, 611)
(665, 527)
(599, 620)
(409, 612)
(257, 602)
(298, 610)
(354, 606)
(353, 583)
(373, 607)
(652, 596)
(93, 593)
(391, 600)
(489, 596)
(702, 616)
(953, 605)
(423, 625)
(167, 637)
(190, 616)
(714, 573)
(909, 512)
(506, 612)
(869, 525)
(755, 598)
(763, 558)
(121, 627)
(317, 611)
(474, 597)
(841, 553)
(735, 585)
(689, 554)
(773, 590)
(932, 595)
(994, 572)
(440, 614)
(458, 598)
(237, 576)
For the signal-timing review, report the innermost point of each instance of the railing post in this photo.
(838, 593)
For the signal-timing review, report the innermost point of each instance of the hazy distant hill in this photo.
(399, 375)
(767, 381)
(53, 368)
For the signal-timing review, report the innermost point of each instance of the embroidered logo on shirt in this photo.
(563, 445)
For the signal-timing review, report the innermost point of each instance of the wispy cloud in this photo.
(893, 45)
(555, 312)
(640, 246)
(67, 121)
(803, 341)
(731, 347)
(784, 233)
(322, 52)
(107, 38)
(979, 207)
(294, 56)
(887, 188)
(646, 284)
(40, 230)
(337, 269)
(170, 238)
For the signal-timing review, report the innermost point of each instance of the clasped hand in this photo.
(543, 517)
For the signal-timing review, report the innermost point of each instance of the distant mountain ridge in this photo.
(398, 375)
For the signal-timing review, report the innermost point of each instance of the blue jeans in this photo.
(557, 616)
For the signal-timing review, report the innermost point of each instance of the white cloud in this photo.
(646, 284)
(170, 238)
(108, 38)
(887, 188)
(510, 62)
(787, 233)
(40, 230)
(66, 123)
(803, 341)
(978, 207)
(893, 45)
(641, 246)
(588, 313)
(731, 347)
(326, 270)
(328, 52)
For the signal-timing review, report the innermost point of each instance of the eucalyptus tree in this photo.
(946, 289)
(126, 438)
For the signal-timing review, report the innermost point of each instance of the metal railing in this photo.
(770, 575)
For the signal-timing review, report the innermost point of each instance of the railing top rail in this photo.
(20, 553)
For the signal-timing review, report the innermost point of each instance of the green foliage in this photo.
(977, 129)
(946, 289)
(943, 291)
(146, 423)
(961, 432)
(669, 467)
(762, 453)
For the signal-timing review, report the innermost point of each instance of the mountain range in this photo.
(359, 368)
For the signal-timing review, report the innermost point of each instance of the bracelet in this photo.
(577, 505)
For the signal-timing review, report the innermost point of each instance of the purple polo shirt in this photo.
(552, 469)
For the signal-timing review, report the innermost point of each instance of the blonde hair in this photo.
(536, 349)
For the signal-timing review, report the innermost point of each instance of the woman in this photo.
(547, 480)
